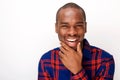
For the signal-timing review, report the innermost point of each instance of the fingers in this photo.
(63, 50)
(66, 47)
(61, 54)
(79, 48)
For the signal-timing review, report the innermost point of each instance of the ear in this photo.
(56, 28)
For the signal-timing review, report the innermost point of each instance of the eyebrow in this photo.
(67, 23)
(80, 22)
(63, 23)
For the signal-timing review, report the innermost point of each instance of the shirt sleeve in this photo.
(42, 73)
(106, 70)
(80, 76)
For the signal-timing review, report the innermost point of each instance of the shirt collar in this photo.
(86, 49)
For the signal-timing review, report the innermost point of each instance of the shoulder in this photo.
(100, 52)
(95, 51)
(48, 54)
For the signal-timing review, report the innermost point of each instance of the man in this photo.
(75, 59)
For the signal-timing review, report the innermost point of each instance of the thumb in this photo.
(79, 48)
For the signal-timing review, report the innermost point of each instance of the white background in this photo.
(27, 32)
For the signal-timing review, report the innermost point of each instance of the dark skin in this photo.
(70, 58)
(71, 29)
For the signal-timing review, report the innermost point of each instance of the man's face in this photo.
(71, 27)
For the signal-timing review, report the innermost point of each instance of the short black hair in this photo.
(71, 5)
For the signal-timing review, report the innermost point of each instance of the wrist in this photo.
(77, 71)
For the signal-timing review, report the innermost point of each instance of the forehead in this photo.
(72, 13)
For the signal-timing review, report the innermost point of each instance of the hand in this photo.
(70, 58)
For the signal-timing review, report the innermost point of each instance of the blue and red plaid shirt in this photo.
(97, 65)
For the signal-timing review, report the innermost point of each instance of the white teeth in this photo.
(71, 40)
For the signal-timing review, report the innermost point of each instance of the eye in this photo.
(79, 25)
(64, 26)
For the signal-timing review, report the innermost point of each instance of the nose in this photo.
(72, 31)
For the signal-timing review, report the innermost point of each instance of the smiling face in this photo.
(71, 26)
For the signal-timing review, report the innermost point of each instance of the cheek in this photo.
(81, 32)
(61, 34)
(81, 35)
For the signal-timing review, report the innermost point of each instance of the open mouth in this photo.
(71, 42)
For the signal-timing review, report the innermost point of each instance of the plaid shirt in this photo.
(97, 65)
